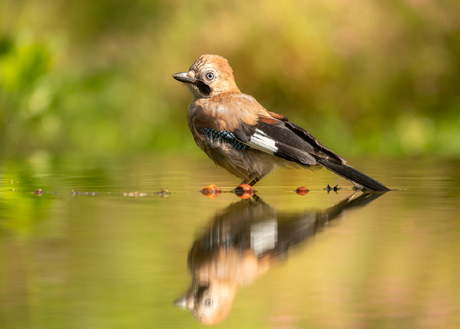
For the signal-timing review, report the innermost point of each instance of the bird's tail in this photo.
(361, 180)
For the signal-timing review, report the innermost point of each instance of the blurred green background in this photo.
(364, 77)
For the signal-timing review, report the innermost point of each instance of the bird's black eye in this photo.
(208, 302)
(209, 75)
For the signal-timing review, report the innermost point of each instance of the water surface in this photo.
(99, 243)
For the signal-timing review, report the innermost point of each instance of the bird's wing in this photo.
(274, 134)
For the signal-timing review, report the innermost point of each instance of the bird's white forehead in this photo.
(202, 67)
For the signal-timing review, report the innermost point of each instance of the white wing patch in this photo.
(260, 141)
(264, 236)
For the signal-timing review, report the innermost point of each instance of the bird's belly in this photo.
(242, 163)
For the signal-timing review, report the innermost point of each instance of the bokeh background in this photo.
(89, 114)
(378, 78)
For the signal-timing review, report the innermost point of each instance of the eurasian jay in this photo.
(239, 135)
(243, 242)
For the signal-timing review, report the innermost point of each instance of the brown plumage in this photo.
(238, 134)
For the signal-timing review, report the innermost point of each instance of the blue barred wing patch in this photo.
(224, 136)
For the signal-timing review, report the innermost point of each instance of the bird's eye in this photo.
(209, 75)
(208, 302)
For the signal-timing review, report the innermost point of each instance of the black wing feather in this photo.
(320, 150)
(244, 132)
(293, 142)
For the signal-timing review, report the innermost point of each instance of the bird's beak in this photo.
(181, 302)
(183, 77)
(184, 302)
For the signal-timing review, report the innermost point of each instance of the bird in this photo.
(241, 136)
(243, 242)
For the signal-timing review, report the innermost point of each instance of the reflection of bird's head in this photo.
(209, 303)
(210, 75)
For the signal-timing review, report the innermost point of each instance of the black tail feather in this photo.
(362, 181)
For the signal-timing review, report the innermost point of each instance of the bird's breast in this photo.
(227, 111)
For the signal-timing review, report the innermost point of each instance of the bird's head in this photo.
(209, 302)
(209, 76)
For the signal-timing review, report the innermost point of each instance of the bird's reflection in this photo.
(244, 241)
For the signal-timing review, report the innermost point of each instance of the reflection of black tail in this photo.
(352, 202)
(353, 175)
(298, 228)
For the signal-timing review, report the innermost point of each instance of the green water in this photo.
(101, 246)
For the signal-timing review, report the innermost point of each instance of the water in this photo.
(98, 243)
